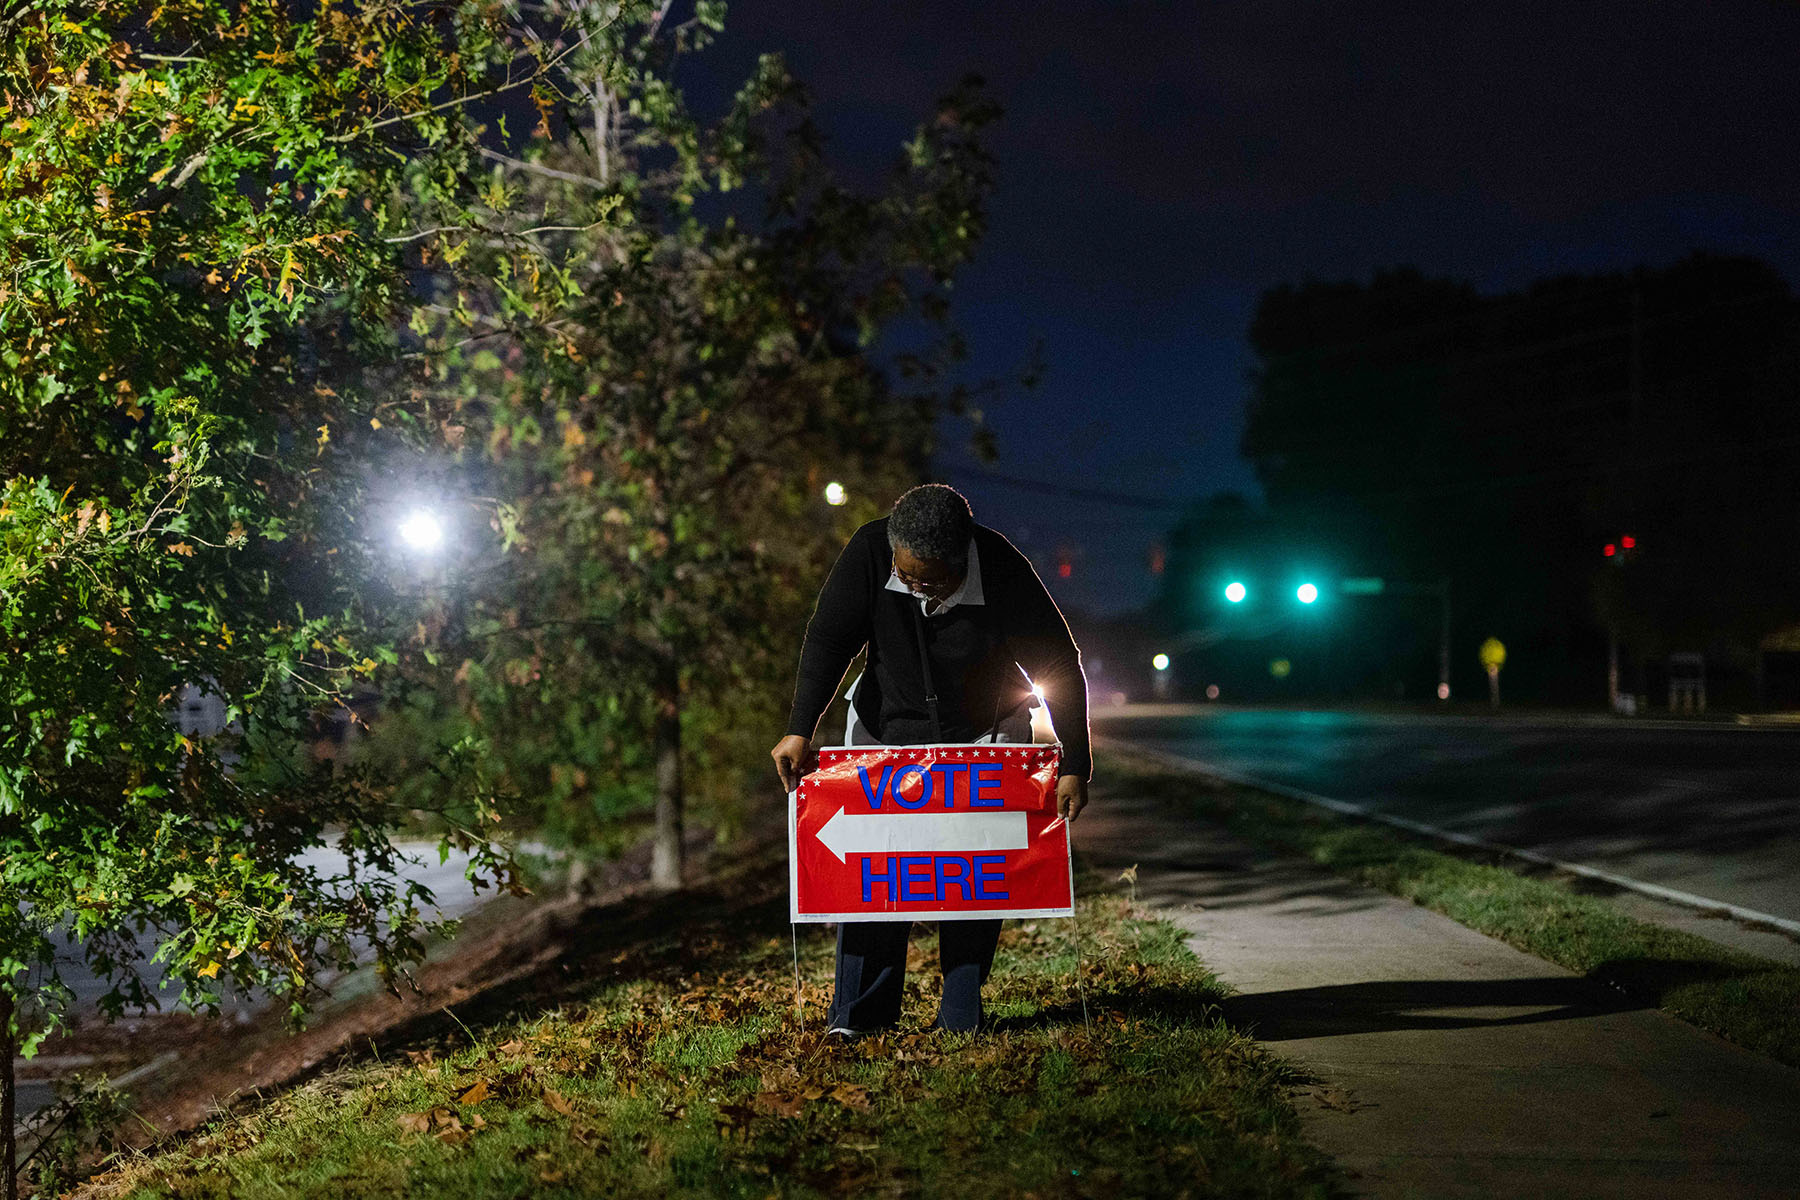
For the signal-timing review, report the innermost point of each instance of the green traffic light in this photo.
(1235, 592)
(1306, 593)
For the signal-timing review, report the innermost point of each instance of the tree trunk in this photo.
(666, 855)
(9, 1149)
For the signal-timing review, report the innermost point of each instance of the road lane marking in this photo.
(1361, 812)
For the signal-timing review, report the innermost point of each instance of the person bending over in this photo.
(934, 597)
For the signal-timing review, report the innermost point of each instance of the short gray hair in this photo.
(933, 520)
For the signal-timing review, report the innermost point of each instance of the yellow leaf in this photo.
(324, 436)
(208, 971)
(289, 272)
(374, 422)
(158, 176)
(474, 1095)
(181, 548)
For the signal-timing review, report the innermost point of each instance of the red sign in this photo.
(934, 832)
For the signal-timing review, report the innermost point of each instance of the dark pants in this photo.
(871, 965)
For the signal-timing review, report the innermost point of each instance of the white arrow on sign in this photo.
(906, 833)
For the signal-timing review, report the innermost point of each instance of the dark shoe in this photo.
(843, 1033)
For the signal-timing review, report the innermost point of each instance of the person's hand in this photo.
(793, 757)
(1071, 796)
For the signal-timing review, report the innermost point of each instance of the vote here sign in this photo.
(932, 832)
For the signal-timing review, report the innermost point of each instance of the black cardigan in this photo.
(977, 651)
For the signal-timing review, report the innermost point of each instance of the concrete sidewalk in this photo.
(1450, 1064)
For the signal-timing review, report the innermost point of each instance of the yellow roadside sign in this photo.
(1493, 654)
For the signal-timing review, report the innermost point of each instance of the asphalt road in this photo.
(1712, 810)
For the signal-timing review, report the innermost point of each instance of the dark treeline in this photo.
(1415, 429)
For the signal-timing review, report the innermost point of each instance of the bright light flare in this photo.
(1235, 592)
(835, 494)
(1037, 689)
(1306, 593)
(1160, 662)
(422, 531)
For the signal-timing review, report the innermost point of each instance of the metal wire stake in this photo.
(1075, 924)
(799, 1001)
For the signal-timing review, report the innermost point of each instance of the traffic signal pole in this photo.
(1372, 586)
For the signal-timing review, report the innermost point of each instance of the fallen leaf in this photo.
(558, 1102)
(778, 1104)
(733, 1119)
(474, 1095)
(851, 1095)
(415, 1122)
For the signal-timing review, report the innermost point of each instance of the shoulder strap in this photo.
(931, 696)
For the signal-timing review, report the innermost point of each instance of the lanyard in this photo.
(931, 696)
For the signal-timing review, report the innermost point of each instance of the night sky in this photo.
(1162, 164)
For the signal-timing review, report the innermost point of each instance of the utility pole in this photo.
(1443, 591)
(1612, 665)
(1634, 438)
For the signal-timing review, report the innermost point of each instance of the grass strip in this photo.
(1745, 999)
(676, 1066)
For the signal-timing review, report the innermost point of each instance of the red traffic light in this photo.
(1629, 542)
(1610, 550)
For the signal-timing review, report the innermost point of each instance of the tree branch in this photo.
(540, 169)
(461, 100)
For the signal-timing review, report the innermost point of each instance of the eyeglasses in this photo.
(931, 587)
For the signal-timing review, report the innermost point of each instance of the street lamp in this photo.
(1306, 593)
(835, 495)
(1160, 662)
(421, 531)
(1235, 592)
